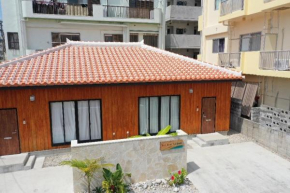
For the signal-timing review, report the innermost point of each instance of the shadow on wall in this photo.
(192, 167)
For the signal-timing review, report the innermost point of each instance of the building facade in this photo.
(251, 36)
(182, 35)
(35, 25)
(94, 91)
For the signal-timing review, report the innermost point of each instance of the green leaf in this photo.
(173, 134)
(165, 130)
(148, 135)
(136, 136)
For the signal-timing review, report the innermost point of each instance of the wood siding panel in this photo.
(119, 108)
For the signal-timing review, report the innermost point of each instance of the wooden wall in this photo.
(119, 108)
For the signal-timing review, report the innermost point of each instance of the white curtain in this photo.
(95, 117)
(154, 114)
(83, 118)
(174, 113)
(143, 115)
(165, 111)
(245, 43)
(69, 121)
(57, 122)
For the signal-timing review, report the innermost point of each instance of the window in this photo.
(75, 120)
(250, 42)
(151, 40)
(218, 45)
(133, 37)
(60, 38)
(180, 31)
(13, 41)
(114, 38)
(155, 113)
(217, 4)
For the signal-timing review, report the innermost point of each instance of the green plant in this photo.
(99, 190)
(88, 167)
(162, 132)
(178, 178)
(114, 181)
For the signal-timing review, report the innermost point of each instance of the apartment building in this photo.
(34, 25)
(252, 36)
(182, 35)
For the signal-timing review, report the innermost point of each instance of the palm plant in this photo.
(88, 167)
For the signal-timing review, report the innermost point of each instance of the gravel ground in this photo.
(161, 186)
(235, 137)
(55, 160)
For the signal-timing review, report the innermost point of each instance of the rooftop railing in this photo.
(230, 6)
(127, 12)
(58, 8)
(275, 60)
(229, 60)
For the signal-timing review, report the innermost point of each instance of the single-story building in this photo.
(89, 91)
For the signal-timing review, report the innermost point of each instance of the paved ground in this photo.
(53, 179)
(241, 167)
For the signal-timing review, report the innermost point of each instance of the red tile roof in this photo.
(107, 63)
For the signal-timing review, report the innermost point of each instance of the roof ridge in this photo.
(27, 57)
(236, 73)
(113, 44)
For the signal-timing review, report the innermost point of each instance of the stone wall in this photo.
(140, 156)
(276, 140)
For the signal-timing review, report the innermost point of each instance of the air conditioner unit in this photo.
(281, 64)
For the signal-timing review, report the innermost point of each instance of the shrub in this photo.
(88, 167)
(178, 178)
(114, 181)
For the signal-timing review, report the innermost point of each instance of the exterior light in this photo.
(32, 98)
(191, 91)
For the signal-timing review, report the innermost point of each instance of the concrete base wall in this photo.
(140, 156)
(275, 140)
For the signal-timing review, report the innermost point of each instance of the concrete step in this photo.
(39, 163)
(30, 163)
(12, 163)
(211, 139)
(199, 142)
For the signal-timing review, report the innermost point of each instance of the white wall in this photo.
(35, 34)
(12, 23)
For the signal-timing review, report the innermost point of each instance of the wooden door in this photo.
(208, 115)
(9, 140)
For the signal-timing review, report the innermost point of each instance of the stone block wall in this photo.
(274, 139)
(140, 156)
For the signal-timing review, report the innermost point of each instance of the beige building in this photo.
(252, 36)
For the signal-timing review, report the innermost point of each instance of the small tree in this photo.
(88, 167)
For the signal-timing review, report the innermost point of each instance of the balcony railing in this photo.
(128, 12)
(182, 41)
(230, 6)
(43, 7)
(275, 60)
(229, 60)
(182, 13)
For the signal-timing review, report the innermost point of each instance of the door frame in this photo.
(201, 113)
(1, 109)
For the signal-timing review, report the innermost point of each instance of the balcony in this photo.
(128, 12)
(275, 60)
(182, 41)
(43, 7)
(182, 13)
(231, 6)
(229, 60)
(69, 12)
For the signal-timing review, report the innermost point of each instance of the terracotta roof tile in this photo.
(107, 63)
